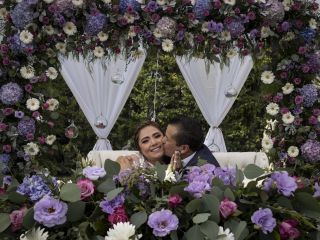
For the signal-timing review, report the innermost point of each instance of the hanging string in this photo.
(156, 77)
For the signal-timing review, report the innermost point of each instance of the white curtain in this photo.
(215, 90)
(100, 99)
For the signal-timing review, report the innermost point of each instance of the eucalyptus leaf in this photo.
(28, 220)
(112, 168)
(75, 211)
(253, 171)
(70, 192)
(194, 233)
(307, 204)
(139, 218)
(54, 115)
(239, 228)
(113, 193)
(212, 203)
(201, 218)
(106, 186)
(4, 221)
(193, 205)
(16, 197)
(161, 171)
(229, 194)
(210, 229)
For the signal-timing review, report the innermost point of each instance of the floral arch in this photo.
(285, 32)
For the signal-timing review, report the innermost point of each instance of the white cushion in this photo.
(225, 159)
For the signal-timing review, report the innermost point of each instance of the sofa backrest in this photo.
(225, 159)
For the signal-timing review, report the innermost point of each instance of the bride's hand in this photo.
(176, 162)
(128, 161)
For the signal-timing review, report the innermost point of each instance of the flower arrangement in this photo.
(206, 202)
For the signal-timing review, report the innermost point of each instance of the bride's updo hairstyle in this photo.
(142, 126)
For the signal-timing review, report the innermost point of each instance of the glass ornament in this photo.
(101, 122)
(230, 92)
(71, 131)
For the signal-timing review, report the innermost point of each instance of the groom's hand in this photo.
(176, 162)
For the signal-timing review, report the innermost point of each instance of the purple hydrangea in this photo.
(50, 212)
(110, 206)
(310, 150)
(10, 93)
(310, 94)
(7, 180)
(95, 23)
(22, 14)
(285, 184)
(314, 63)
(4, 162)
(26, 126)
(308, 34)
(316, 190)
(235, 28)
(200, 7)
(152, 6)
(34, 187)
(226, 175)
(93, 173)
(197, 187)
(32, 2)
(124, 4)
(163, 222)
(263, 218)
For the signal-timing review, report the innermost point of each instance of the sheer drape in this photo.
(99, 97)
(210, 88)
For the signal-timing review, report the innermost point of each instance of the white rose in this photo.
(267, 77)
(48, 30)
(53, 104)
(62, 47)
(27, 72)
(313, 23)
(267, 143)
(293, 151)
(272, 109)
(287, 118)
(225, 36)
(33, 104)
(52, 73)
(98, 52)
(157, 33)
(288, 88)
(102, 36)
(129, 18)
(50, 139)
(167, 45)
(31, 149)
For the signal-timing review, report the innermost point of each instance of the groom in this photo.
(185, 135)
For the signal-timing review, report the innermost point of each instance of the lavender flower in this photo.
(152, 6)
(308, 34)
(19, 114)
(200, 7)
(316, 190)
(310, 150)
(4, 162)
(125, 4)
(11, 93)
(198, 188)
(22, 14)
(235, 28)
(310, 94)
(93, 173)
(286, 185)
(34, 187)
(50, 212)
(163, 222)
(95, 23)
(7, 180)
(226, 175)
(26, 126)
(264, 219)
(110, 206)
(314, 63)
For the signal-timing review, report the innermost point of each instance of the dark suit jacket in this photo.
(204, 154)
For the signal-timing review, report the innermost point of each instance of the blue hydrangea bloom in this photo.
(10, 93)
(22, 14)
(200, 7)
(95, 23)
(310, 94)
(26, 126)
(308, 34)
(34, 187)
(110, 206)
(124, 4)
(4, 162)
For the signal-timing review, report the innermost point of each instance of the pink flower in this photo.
(6, 148)
(42, 140)
(87, 188)
(227, 208)
(3, 127)
(2, 191)
(174, 200)
(16, 218)
(288, 230)
(119, 215)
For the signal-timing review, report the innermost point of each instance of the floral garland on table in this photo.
(153, 203)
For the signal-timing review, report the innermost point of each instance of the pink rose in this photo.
(119, 215)
(174, 200)
(288, 230)
(16, 218)
(87, 188)
(227, 208)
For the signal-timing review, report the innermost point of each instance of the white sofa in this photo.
(225, 159)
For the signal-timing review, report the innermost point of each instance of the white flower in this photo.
(102, 36)
(48, 1)
(27, 72)
(62, 47)
(50, 139)
(271, 124)
(318, 118)
(287, 118)
(131, 32)
(35, 234)
(161, 2)
(98, 52)
(77, 3)
(121, 231)
(33, 104)
(31, 149)
(293, 151)
(106, 1)
(313, 23)
(289, 36)
(170, 176)
(167, 45)
(265, 32)
(157, 33)
(267, 77)
(266, 143)
(52, 73)
(230, 2)
(225, 36)
(232, 52)
(287, 4)
(3, 13)
(204, 27)
(129, 17)
(26, 37)
(48, 30)
(69, 28)
(53, 104)
(288, 88)
(228, 235)
(272, 109)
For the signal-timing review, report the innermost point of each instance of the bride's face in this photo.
(150, 143)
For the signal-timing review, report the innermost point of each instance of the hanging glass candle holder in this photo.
(101, 122)
(230, 91)
(117, 77)
(71, 131)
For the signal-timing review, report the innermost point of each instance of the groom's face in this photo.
(169, 142)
